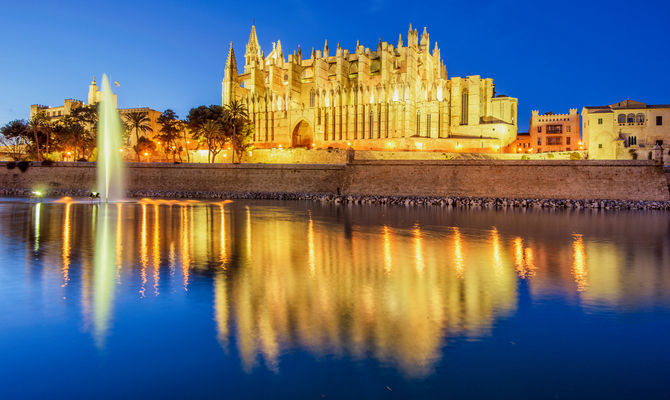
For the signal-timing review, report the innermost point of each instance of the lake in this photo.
(271, 299)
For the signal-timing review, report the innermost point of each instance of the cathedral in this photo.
(392, 98)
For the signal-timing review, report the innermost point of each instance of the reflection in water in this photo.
(368, 284)
(104, 271)
(579, 266)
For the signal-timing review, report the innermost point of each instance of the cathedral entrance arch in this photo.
(302, 135)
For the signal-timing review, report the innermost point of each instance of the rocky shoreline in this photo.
(407, 201)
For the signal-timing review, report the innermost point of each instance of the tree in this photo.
(15, 138)
(38, 124)
(169, 132)
(144, 146)
(243, 140)
(139, 122)
(71, 134)
(237, 120)
(207, 125)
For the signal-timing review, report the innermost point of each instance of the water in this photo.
(110, 170)
(249, 299)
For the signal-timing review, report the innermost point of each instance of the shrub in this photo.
(525, 157)
(82, 160)
(11, 165)
(47, 163)
(575, 156)
(23, 165)
(550, 155)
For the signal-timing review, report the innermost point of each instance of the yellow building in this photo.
(392, 98)
(625, 130)
(94, 96)
(554, 132)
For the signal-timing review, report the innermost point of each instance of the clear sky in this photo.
(552, 56)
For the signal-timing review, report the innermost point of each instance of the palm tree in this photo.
(139, 122)
(37, 124)
(169, 132)
(236, 117)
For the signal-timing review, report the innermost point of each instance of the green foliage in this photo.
(550, 155)
(137, 121)
(525, 157)
(169, 133)
(208, 126)
(144, 146)
(15, 138)
(575, 156)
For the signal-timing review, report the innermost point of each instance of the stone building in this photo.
(522, 144)
(392, 98)
(625, 130)
(94, 96)
(554, 132)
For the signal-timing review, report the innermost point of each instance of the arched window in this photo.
(464, 107)
(639, 118)
(418, 123)
(312, 98)
(621, 118)
(631, 118)
(427, 125)
(372, 119)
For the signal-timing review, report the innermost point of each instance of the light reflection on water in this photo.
(389, 284)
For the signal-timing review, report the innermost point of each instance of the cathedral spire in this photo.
(253, 54)
(425, 39)
(231, 63)
(325, 49)
(400, 44)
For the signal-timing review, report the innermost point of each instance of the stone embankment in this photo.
(407, 201)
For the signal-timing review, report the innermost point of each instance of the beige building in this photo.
(625, 130)
(551, 132)
(94, 96)
(391, 98)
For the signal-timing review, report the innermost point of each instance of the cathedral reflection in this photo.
(354, 285)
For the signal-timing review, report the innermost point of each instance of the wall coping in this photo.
(88, 164)
(525, 163)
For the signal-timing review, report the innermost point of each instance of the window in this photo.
(632, 140)
(418, 124)
(630, 119)
(539, 141)
(659, 120)
(639, 118)
(567, 140)
(621, 119)
(539, 129)
(554, 128)
(428, 125)
(600, 145)
(372, 120)
(659, 142)
(600, 121)
(464, 107)
(567, 128)
(554, 141)
(312, 97)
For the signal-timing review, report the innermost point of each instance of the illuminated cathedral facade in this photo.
(392, 98)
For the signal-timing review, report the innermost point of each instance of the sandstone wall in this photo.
(183, 177)
(620, 180)
(617, 180)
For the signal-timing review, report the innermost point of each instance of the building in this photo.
(522, 144)
(625, 130)
(392, 98)
(551, 132)
(94, 96)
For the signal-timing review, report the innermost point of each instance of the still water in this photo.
(249, 299)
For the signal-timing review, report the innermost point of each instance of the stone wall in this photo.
(183, 177)
(618, 180)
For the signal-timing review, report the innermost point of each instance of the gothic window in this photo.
(379, 122)
(632, 140)
(464, 107)
(621, 118)
(428, 125)
(639, 119)
(418, 123)
(312, 98)
(630, 119)
(512, 114)
(318, 116)
(325, 126)
(539, 129)
(371, 116)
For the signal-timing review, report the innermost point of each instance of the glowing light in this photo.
(69, 153)
(458, 252)
(66, 245)
(348, 143)
(143, 248)
(146, 154)
(579, 267)
(419, 145)
(418, 253)
(388, 262)
(395, 95)
(439, 93)
(310, 244)
(497, 147)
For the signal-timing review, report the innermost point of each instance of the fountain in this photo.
(110, 163)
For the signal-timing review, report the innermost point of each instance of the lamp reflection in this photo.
(104, 271)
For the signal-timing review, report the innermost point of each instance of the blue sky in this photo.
(552, 56)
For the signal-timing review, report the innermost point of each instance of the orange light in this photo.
(146, 154)
(68, 153)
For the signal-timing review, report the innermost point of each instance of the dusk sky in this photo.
(552, 56)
